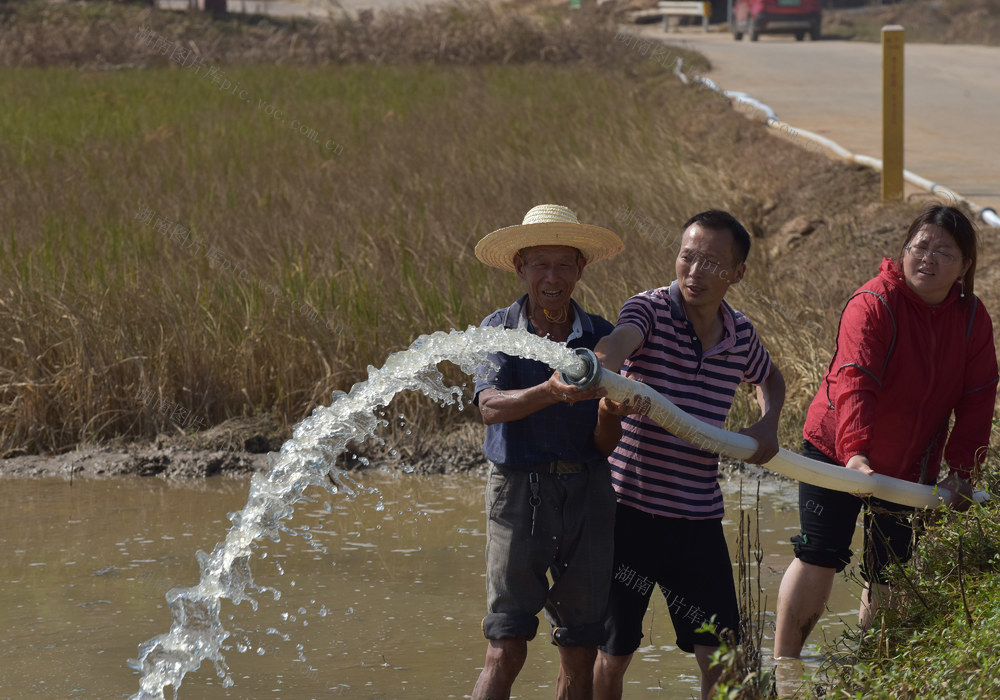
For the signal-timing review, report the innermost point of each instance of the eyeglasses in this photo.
(934, 255)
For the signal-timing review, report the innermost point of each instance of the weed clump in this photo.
(937, 637)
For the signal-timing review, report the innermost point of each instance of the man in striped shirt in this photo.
(690, 345)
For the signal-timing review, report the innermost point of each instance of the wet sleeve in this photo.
(864, 343)
(974, 411)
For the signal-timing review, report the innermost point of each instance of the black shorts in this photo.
(688, 560)
(828, 519)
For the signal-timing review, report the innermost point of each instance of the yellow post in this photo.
(892, 112)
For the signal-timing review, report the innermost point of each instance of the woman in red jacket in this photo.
(915, 346)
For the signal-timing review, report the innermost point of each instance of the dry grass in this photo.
(101, 35)
(326, 259)
(931, 21)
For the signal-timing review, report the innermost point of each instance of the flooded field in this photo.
(381, 594)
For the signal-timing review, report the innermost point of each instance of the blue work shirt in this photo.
(561, 432)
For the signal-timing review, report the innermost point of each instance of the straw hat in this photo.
(548, 224)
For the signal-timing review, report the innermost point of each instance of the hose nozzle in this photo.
(590, 370)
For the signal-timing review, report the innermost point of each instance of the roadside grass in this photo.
(925, 21)
(96, 34)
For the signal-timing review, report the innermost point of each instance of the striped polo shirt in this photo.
(653, 470)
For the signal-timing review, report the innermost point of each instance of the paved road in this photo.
(951, 94)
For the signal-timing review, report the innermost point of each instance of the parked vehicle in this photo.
(756, 17)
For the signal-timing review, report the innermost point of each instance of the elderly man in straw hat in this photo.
(549, 502)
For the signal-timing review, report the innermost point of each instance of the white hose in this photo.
(795, 466)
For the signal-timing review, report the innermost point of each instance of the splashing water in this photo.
(196, 632)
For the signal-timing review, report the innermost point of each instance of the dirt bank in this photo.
(239, 447)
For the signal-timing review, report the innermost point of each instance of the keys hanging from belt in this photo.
(534, 500)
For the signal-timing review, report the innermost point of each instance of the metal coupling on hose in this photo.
(591, 375)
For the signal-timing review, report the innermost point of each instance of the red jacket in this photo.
(899, 370)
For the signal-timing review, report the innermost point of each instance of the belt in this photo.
(559, 467)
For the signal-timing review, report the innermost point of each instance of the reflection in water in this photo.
(788, 676)
(391, 609)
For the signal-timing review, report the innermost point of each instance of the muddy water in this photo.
(381, 594)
